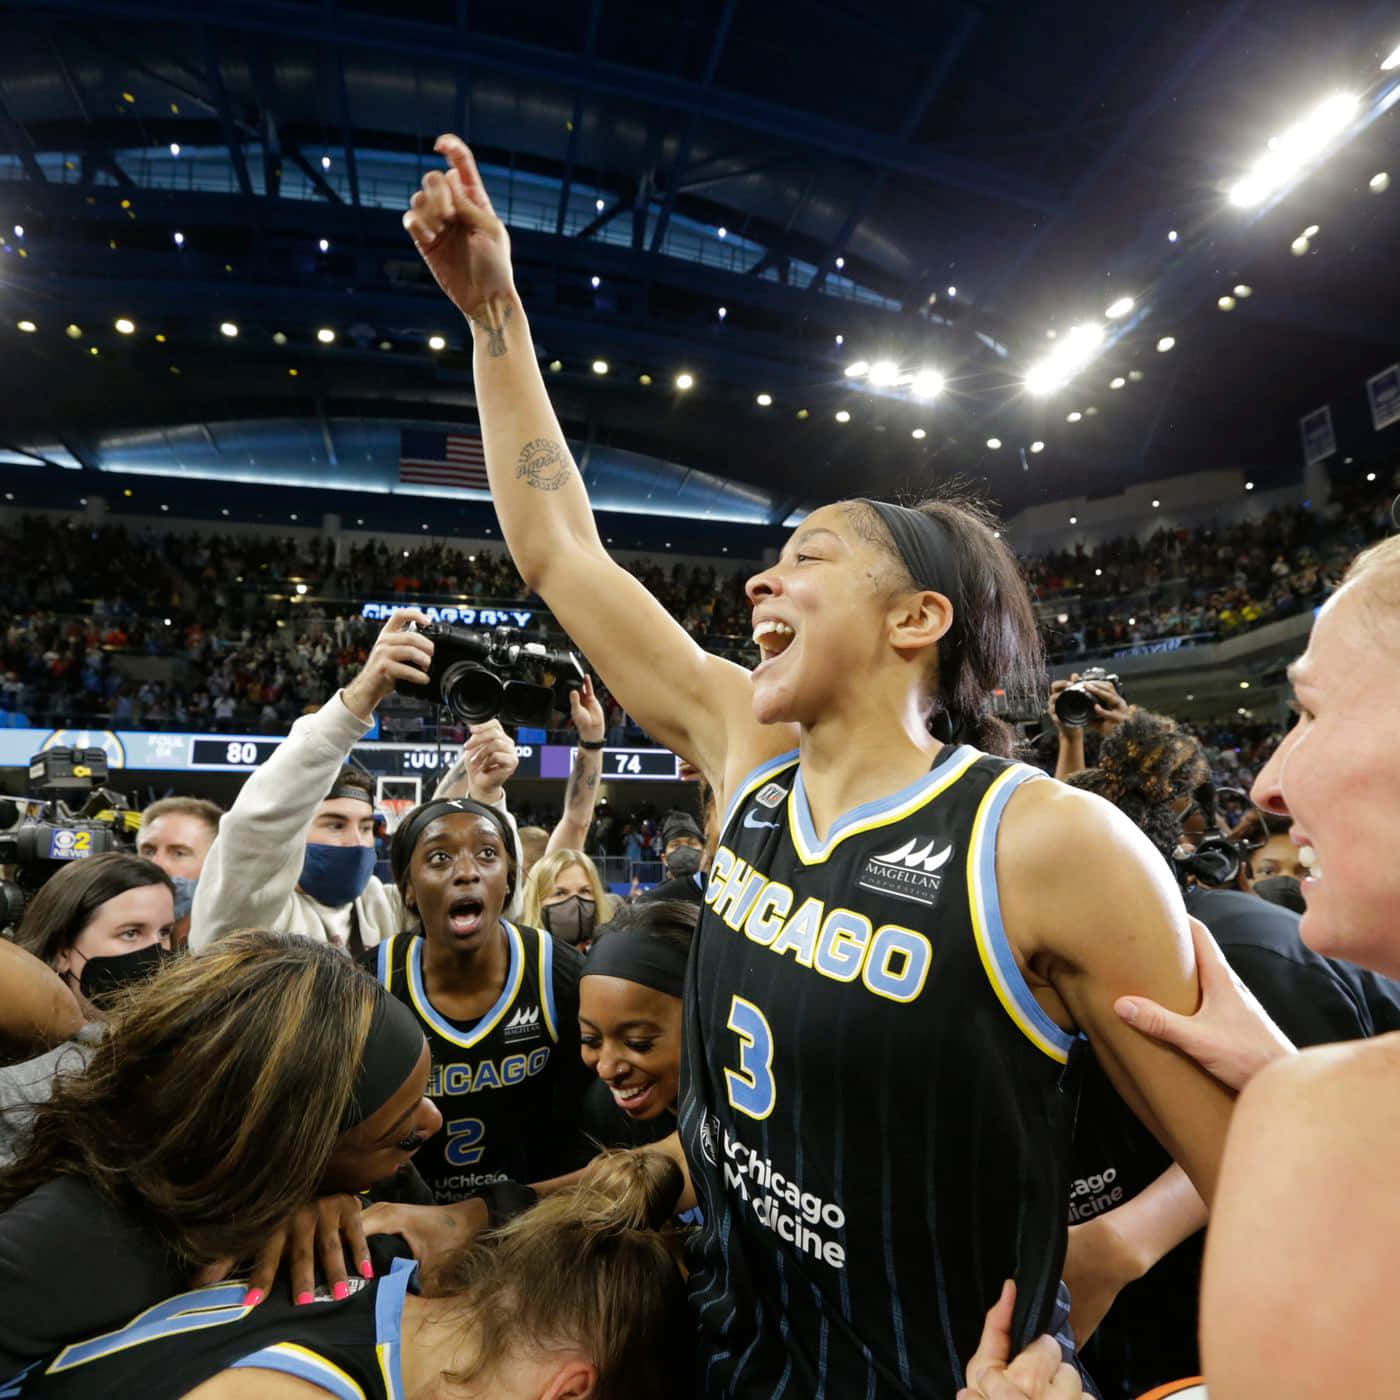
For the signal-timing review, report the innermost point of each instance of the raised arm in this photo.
(581, 793)
(694, 703)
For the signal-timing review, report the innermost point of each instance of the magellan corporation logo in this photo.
(912, 872)
(526, 1021)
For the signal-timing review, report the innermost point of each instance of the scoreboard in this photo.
(152, 751)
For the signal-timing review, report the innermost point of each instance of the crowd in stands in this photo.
(109, 627)
(1203, 584)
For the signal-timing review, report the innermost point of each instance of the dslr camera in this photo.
(69, 816)
(1074, 705)
(488, 676)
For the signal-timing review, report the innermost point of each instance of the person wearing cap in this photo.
(497, 1001)
(296, 850)
(684, 854)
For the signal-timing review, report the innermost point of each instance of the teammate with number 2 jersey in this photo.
(498, 1005)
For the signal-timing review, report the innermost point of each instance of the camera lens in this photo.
(1074, 706)
(472, 693)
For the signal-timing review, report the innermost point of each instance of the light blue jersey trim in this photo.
(989, 930)
(551, 1014)
(292, 1359)
(388, 1324)
(418, 992)
(386, 962)
(871, 814)
(759, 774)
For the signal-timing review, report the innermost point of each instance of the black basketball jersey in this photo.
(349, 1348)
(875, 1110)
(510, 1085)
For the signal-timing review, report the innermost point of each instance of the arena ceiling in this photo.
(755, 192)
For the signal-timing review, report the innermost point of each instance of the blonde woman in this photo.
(565, 895)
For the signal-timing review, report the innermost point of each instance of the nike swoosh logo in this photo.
(753, 823)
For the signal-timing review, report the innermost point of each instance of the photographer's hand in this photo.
(398, 655)
(491, 762)
(1110, 709)
(1071, 755)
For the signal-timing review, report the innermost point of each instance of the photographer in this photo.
(296, 850)
(1136, 1225)
(1101, 709)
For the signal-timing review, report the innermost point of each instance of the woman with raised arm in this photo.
(904, 935)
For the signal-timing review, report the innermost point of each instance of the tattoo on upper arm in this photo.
(543, 464)
(495, 330)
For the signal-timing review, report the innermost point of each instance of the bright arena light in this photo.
(1292, 150)
(1379, 182)
(28, 327)
(994, 443)
(1165, 344)
(1243, 289)
(326, 335)
(927, 384)
(600, 366)
(125, 326)
(1037, 446)
(764, 400)
(228, 328)
(884, 373)
(685, 381)
(919, 435)
(1299, 246)
(1117, 382)
(1070, 355)
(857, 369)
(1074, 416)
(437, 342)
(1121, 307)
(1391, 60)
(842, 416)
(1225, 303)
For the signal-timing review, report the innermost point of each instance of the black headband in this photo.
(418, 820)
(392, 1048)
(925, 546)
(638, 957)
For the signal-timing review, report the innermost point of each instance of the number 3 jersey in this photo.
(510, 1085)
(875, 1110)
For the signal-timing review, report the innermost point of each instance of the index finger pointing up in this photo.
(458, 155)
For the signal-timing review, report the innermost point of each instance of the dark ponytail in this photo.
(994, 641)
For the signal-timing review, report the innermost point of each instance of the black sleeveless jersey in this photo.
(349, 1348)
(875, 1110)
(509, 1086)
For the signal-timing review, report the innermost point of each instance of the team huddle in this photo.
(835, 1076)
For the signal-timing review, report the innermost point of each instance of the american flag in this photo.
(441, 459)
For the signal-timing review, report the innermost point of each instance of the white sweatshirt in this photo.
(250, 875)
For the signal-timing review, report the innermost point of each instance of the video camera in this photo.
(1074, 705)
(69, 816)
(480, 677)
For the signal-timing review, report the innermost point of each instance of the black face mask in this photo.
(684, 860)
(571, 919)
(103, 976)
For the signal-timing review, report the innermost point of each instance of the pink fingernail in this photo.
(304, 1298)
(366, 1269)
(341, 1291)
(253, 1297)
